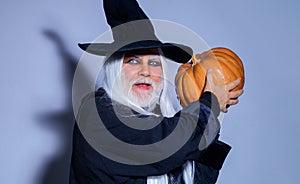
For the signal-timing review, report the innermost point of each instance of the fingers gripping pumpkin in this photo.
(190, 78)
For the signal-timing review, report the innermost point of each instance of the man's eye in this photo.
(155, 63)
(133, 61)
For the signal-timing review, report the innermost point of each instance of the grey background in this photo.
(39, 52)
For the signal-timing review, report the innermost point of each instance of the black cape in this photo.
(89, 166)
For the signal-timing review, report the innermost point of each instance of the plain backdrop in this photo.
(39, 54)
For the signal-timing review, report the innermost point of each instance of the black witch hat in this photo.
(132, 30)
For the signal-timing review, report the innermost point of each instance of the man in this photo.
(133, 90)
(129, 137)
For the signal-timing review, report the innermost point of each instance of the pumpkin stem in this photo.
(195, 60)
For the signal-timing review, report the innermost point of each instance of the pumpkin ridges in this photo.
(181, 70)
(228, 53)
(228, 59)
(178, 81)
(226, 66)
(200, 77)
(191, 92)
(217, 70)
(227, 62)
(181, 91)
(199, 73)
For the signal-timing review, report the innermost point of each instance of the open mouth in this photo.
(143, 86)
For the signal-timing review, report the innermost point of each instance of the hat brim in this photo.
(177, 52)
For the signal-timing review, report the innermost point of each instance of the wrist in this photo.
(210, 99)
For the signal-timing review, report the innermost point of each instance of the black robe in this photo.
(89, 165)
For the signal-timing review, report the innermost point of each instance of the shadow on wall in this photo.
(61, 122)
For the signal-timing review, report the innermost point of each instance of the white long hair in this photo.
(110, 79)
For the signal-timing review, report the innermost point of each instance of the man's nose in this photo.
(144, 70)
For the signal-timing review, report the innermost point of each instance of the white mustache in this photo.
(144, 98)
(141, 81)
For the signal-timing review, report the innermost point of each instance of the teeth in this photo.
(147, 82)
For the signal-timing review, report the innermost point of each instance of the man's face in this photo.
(142, 72)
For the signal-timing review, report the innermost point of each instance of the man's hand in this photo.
(226, 97)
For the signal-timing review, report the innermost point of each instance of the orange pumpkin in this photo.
(191, 77)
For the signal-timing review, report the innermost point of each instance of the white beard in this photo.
(145, 99)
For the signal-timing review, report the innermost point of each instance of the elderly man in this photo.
(135, 89)
(133, 128)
